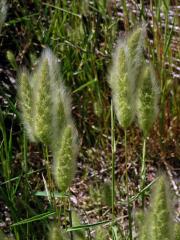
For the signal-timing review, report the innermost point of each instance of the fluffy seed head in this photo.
(135, 42)
(157, 223)
(25, 100)
(60, 100)
(122, 88)
(147, 100)
(47, 100)
(142, 224)
(64, 162)
(43, 104)
(123, 78)
(161, 222)
(135, 45)
(61, 114)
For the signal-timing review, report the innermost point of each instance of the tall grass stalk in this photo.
(127, 186)
(25, 168)
(143, 170)
(113, 151)
(70, 218)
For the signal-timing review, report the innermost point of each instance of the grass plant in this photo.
(124, 83)
(147, 108)
(82, 35)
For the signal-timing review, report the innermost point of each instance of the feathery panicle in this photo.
(57, 234)
(25, 99)
(54, 68)
(3, 12)
(157, 223)
(147, 100)
(64, 162)
(43, 104)
(121, 86)
(60, 99)
(135, 45)
(143, 223)
(61, 114)
(123, 78)
(160, 214)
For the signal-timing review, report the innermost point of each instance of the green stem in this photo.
(25, 145)
(70, 218)
(49, 177)
(113, 150)
(143, 168)
(127, 186)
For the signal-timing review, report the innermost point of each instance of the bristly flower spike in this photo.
(44, 98)
(147, 100)
(157, 223)
(123, 76)
(25, 100)
(121, 88)
(65, 158)
(135, 44)
(160, 216)
(43, 104)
